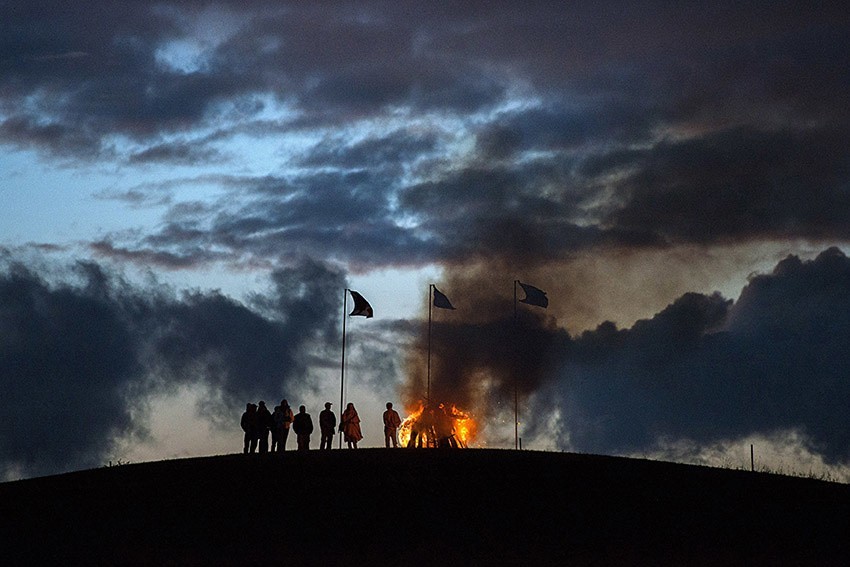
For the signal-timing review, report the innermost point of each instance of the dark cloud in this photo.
(67, 360)
(60, 138)
(115, 84)
(126, 75)
(390, 151)
(452, 133)
(109, 65)
(565, 126)
(343, 215)
(185, 259)
(78, 358)
(243, 352)
(735, 185)
(706, 370)
(187, 153)
(527, 213)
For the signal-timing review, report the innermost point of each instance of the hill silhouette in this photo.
(423, 507)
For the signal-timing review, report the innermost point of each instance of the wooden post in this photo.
(752, 459)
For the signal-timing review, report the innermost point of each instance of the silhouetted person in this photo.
(392, 421)
(349, 424)
(444, 429)
(422, 429)
(282, 418)
(250, 425)
(275, 431)
(415, 432)
(303, 427)
(264, 417)
(327, 425)
(419, 428)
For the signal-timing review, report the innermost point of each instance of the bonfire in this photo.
(437, 425)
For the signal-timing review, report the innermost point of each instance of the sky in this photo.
(189, 188)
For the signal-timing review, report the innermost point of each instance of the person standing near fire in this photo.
(327, 425)
(302, 425)
(349, 424)
(250, 424)
(392, 421)
(264, 417)
(276, 417)
(283, 417)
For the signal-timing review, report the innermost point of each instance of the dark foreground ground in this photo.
(423, 507)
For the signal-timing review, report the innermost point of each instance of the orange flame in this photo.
(438, 424)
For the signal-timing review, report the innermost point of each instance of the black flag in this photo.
(534, 296)
(441, 301)
(361, 306)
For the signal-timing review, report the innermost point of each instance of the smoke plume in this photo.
(705, 369)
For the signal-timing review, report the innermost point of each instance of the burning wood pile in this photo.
(437, 426)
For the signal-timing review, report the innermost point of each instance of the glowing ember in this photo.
(437, 426)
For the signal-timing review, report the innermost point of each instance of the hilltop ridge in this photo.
(418, 507)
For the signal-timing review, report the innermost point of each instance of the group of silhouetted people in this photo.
(258, 422)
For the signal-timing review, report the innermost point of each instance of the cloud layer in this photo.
(412, 134)
(707, 370)
(80, 358)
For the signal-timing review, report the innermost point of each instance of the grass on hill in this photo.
(423, 507)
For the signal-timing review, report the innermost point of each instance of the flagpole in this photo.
(430, 304)
(342, 367)
(516, 394)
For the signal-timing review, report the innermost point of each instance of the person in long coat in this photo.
(349, 424)
(282, 421)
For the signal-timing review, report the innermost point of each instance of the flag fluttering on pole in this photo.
(441, 301)
(534, 296)
(361, 306)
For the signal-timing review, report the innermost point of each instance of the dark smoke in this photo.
(79, 358)
(67, 357)
(704, 369)
(481, 351)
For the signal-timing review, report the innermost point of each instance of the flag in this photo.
(441, 301)
(361, 306)
(534, 296)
